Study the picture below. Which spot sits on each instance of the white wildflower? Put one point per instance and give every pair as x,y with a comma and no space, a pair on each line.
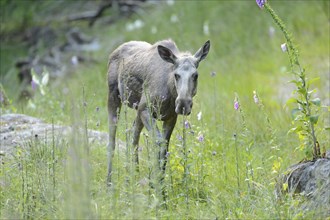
199,116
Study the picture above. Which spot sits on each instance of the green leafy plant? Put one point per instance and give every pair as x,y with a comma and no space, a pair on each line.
305,115
39,85
40,82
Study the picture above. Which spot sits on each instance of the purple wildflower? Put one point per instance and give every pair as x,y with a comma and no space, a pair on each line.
261,3
213,73
283,47
236,105
179,137
200,137
167,154
186,124
34,85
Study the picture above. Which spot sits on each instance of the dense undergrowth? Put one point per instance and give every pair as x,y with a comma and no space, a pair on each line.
223,165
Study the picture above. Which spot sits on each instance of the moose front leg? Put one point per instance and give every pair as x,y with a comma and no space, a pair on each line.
150,123
168,127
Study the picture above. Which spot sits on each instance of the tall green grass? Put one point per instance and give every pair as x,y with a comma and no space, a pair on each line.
223,165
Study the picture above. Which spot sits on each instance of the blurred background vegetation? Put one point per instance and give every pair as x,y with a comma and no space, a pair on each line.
245,54
73,40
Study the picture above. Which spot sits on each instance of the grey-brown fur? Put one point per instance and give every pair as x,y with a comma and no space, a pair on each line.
159,75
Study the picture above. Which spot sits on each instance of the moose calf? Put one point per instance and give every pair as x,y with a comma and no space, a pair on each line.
159,75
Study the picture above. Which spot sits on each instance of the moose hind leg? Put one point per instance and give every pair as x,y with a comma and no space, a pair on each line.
114,105
138,126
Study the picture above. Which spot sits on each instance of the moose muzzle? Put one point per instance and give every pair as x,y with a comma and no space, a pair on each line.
183,106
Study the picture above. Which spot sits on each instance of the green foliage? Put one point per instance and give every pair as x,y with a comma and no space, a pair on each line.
306,116
34,176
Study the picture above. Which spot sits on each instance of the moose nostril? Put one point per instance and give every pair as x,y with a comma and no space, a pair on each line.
189,103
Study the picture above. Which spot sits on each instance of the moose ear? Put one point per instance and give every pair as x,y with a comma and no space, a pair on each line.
202,52
166,54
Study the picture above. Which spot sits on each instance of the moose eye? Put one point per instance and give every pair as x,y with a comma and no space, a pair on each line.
177,76
195,77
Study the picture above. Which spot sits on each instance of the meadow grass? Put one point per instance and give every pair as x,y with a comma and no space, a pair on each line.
223,165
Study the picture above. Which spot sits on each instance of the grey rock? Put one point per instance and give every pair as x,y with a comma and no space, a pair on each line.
18,130
311,181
